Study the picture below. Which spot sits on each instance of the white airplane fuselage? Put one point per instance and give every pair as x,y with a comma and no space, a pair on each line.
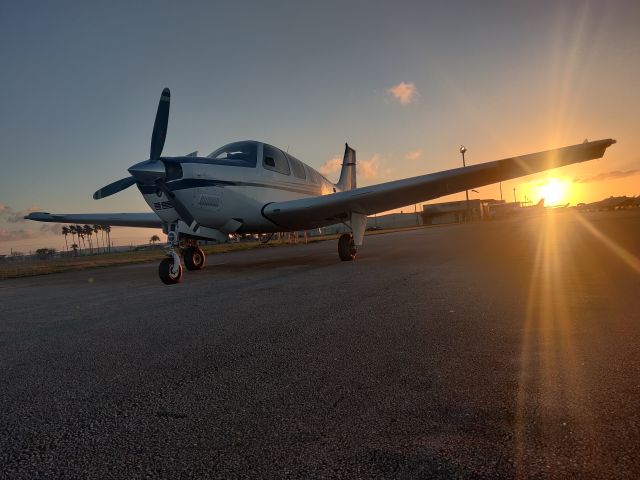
216,193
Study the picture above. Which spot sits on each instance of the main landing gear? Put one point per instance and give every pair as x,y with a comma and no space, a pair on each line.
194,258
347,248
170,268
349,242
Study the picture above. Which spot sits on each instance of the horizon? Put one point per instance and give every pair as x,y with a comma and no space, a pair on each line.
405,86
123,237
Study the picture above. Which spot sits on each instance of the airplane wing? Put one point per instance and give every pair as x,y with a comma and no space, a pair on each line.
324,210
146,219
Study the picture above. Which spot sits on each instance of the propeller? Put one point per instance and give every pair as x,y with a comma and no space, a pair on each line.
114,187
160,125
154,170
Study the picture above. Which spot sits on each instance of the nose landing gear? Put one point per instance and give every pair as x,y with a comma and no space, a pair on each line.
170,268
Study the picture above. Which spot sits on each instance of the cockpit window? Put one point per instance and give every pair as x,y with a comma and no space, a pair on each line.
239,154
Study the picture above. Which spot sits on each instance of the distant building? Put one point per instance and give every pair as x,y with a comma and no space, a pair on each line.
458,211
395,220
611,203
375,222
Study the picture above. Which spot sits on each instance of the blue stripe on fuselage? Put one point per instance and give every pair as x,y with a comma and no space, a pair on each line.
201,182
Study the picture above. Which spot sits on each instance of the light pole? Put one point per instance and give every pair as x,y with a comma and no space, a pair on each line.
463,150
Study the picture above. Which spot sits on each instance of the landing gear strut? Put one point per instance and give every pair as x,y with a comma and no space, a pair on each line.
347,248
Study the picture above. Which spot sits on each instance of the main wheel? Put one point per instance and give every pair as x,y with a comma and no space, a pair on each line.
346,248
164,270
194,258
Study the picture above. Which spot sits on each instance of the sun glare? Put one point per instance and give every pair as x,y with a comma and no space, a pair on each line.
554,191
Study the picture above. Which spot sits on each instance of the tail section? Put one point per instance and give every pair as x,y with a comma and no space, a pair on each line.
348,174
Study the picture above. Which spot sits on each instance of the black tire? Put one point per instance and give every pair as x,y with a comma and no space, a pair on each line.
164,270
194,258
346,248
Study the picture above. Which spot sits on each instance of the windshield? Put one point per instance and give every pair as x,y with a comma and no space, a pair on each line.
240,154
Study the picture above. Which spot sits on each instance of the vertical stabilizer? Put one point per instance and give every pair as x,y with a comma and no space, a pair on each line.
348,174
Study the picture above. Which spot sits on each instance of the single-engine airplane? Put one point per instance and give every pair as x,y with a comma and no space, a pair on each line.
253,187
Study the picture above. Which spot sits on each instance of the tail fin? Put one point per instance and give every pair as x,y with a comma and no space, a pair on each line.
348,174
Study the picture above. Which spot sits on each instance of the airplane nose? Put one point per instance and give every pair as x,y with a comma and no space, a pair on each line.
148,171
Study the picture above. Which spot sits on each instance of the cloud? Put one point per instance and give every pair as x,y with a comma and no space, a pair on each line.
15,216
333,165
26,234
413,155
365,168
606,176
404,92
369,168
13,235
54,228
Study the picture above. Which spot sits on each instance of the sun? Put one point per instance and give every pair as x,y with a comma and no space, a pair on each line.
554,191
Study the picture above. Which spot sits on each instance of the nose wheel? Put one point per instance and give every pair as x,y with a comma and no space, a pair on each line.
170,270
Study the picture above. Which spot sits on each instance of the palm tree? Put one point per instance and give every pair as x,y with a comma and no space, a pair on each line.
72,231
96,229
80,234
88,231
154,239
104,245
65,232
74,247
107,228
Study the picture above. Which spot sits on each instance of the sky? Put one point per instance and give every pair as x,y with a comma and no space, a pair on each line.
405,83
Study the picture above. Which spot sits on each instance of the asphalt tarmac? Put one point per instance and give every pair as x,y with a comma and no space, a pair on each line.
505,349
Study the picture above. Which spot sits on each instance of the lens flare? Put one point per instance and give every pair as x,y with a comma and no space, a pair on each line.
554,191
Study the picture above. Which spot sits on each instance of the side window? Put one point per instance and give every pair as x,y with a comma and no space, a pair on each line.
313,176
274,159
297,167
310,174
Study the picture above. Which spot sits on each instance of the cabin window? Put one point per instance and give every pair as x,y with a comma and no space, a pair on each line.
275,159
314,176
297,167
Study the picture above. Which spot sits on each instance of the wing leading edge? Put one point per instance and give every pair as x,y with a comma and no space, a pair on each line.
323,210
146,219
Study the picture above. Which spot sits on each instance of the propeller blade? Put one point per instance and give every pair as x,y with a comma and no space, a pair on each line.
182,211
160,125
114,187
